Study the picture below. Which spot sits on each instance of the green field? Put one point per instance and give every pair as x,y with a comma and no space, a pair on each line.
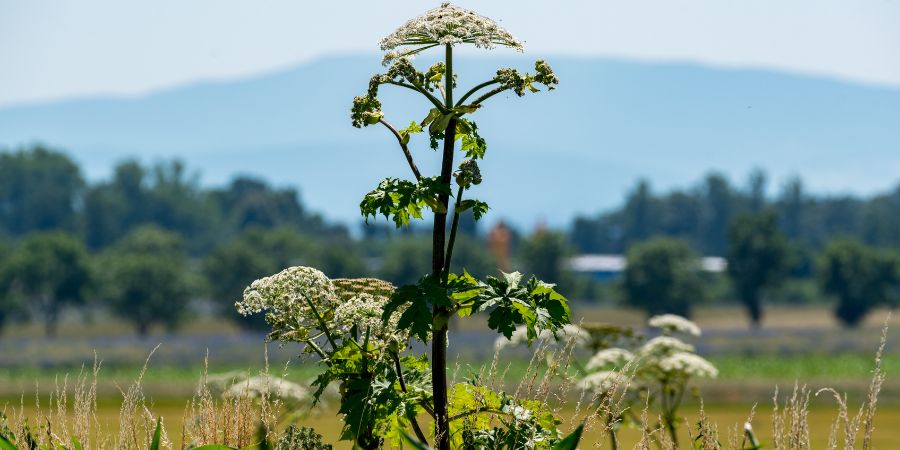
795,345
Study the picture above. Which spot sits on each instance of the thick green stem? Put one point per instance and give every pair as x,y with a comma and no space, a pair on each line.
441,314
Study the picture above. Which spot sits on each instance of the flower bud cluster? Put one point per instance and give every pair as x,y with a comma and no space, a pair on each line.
366,111
468,174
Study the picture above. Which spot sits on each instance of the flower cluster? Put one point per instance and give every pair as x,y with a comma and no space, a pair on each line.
362,314
272,387
687,365
568,333
603,381
662,346
366,111
609,358
671,323
293,300
468,174
511,79
450,25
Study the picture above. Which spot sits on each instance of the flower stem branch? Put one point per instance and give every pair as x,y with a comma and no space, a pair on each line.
478,101
412,418
322,324
474,90
434,100
404,147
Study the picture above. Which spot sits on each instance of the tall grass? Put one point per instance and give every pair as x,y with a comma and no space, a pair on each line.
243,410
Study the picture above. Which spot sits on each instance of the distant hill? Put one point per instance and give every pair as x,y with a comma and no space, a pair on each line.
577,149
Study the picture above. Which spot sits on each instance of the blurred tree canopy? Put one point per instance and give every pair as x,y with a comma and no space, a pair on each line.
757,259
662,276
258,252
231,234
701,215
861,278
48,271
543,255
39,190
146,280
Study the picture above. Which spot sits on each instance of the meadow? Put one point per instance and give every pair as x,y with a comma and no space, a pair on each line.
798,344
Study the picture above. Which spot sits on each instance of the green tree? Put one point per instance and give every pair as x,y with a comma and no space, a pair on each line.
860,277
757,259
260,252
49,271
164,195
662,276
9,305
403,259
543,254
147,279
39,190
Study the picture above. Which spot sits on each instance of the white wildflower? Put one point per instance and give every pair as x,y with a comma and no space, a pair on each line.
609,357
603,381
518,412
688,364
451,25
292,300
663,346
563,336
272,387
365,311
672,323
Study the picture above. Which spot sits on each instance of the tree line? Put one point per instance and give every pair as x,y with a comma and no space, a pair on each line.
149,240
702,214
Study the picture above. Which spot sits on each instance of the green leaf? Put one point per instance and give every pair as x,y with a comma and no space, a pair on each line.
75,444
570,442
466,109
5,444
403,200
214,447
154,444
406,132
413,442
440,124
433,115
535,305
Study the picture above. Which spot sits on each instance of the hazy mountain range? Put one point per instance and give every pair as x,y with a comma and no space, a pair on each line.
577,149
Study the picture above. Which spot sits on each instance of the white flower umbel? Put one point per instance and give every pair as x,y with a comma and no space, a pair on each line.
451,25
272,387
603,381
687,364
609,358
672,323
568,333
293,299
365,311
661,346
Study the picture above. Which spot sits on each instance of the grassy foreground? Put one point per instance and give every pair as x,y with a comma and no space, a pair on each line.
821,415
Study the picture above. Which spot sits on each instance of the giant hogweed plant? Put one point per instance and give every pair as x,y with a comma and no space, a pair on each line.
362,330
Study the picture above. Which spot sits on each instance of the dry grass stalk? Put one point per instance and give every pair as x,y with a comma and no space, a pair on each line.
136,421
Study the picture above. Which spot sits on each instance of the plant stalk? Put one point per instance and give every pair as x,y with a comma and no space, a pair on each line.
441,314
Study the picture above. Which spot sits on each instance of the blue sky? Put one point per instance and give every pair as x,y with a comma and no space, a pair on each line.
61,49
